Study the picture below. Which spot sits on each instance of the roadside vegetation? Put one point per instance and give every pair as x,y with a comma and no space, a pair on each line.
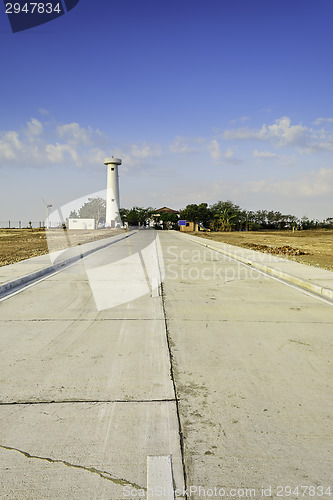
225,216
222,216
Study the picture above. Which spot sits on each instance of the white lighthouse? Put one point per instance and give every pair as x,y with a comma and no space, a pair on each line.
112,218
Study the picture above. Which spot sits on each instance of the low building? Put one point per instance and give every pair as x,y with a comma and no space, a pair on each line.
81,223
157,221
188,226
166,210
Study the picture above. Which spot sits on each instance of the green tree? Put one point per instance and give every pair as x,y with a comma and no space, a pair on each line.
222,221
197,213
169,220
226,215
73,215
123,214
138,215
94,208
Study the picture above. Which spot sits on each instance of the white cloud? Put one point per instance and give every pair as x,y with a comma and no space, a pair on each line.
34,129
57,153
145,151
138,157
285,133
282,133
241,134
95,156
320,121
218,156
263,154
181,145
10,145
241,119
310,185
229,153
28,147
214,149
74,134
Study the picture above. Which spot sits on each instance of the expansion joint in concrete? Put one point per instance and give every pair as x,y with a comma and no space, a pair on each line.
172,376
87,401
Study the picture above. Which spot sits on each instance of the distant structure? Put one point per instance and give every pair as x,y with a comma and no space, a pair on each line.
186,226
81,223
156,217
112,218
166,210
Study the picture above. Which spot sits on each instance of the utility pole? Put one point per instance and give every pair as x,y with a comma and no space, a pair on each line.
48,206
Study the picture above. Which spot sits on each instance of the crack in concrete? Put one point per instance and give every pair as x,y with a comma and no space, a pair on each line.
86,401
103,474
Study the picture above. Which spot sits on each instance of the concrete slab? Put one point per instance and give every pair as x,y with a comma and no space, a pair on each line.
255,402
100,361
69,295
253,374
226,290
84,451
61,349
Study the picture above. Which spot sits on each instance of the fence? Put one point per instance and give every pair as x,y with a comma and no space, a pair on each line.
22,224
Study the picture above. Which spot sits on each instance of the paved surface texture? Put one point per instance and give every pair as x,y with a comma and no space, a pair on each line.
87,385
253,368
86,392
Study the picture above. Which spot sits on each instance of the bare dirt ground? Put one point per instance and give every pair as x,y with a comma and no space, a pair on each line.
313,247
20,244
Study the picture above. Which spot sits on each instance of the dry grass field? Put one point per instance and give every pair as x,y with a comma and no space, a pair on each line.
20,244
313,247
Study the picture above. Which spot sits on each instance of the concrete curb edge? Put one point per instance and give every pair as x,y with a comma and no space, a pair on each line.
29,278
289,278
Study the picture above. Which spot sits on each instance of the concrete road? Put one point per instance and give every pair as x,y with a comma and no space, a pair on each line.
253,366
87,385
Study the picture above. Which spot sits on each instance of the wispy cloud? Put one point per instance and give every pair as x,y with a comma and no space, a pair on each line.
308,185
228,154
34,129
241,119
320,121
145,151
74,134
263,154
181,145
214,149
219,156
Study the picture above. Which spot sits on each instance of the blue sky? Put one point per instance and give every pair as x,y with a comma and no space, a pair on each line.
203,100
